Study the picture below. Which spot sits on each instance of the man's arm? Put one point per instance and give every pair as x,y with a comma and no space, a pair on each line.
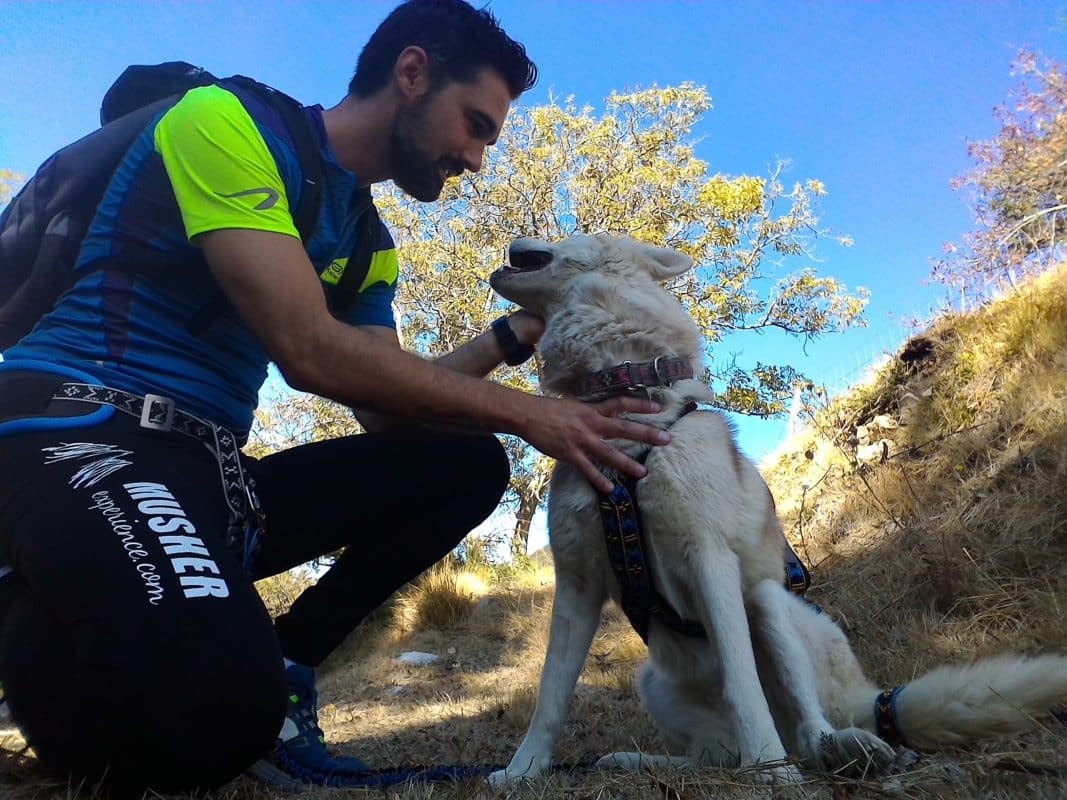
477,358
483,354
271,283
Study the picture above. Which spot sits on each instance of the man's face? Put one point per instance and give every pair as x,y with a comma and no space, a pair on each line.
446,131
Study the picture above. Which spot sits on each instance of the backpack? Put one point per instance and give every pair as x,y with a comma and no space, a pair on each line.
42,228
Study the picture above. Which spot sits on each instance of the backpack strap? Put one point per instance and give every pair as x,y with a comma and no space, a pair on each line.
306,214
305,142
368,237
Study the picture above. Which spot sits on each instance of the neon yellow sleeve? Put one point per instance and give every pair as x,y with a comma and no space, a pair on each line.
222,172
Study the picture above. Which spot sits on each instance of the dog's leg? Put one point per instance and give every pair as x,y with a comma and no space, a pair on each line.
781,642
575,616
722,611
678,709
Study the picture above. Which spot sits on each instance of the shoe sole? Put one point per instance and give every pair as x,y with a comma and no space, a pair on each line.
266,772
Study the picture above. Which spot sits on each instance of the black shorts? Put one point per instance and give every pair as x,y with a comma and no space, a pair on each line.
132,640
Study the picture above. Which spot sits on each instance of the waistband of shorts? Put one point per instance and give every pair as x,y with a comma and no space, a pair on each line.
27,398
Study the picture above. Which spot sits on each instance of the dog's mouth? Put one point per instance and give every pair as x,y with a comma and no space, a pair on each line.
526,261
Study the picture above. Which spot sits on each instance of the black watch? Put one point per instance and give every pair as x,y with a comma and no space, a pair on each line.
515,352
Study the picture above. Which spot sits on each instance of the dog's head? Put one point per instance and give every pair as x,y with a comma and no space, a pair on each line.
603,305
539,274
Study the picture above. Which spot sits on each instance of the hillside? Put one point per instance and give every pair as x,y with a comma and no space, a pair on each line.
931,499
931,503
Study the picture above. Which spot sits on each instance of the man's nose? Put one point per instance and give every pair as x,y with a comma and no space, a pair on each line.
472,158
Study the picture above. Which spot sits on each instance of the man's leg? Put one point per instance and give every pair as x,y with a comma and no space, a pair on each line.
397,502
131,642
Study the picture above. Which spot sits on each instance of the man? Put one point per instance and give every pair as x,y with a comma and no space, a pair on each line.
132,642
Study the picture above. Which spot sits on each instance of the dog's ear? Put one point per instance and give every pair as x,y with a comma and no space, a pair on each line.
664,263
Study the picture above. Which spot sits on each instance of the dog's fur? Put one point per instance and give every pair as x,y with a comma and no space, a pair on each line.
775,681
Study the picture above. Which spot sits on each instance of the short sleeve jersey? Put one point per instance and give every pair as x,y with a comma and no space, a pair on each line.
217,159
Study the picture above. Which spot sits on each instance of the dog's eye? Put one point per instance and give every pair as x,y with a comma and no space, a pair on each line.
529,259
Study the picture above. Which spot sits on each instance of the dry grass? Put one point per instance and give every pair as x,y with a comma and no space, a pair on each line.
952,547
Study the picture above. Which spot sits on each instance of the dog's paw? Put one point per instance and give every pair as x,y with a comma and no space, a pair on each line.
777,774
904,761
512,774
782,774
849,751
635,762
631,762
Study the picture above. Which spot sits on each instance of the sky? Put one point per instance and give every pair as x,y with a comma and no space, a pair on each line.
878,100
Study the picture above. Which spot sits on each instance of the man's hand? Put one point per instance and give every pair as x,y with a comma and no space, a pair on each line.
575,432
527,327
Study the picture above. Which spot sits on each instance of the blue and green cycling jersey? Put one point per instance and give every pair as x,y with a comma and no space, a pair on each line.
217,159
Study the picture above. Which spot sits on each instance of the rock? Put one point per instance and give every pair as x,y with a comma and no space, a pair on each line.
876,451
413,658
863,435
885,422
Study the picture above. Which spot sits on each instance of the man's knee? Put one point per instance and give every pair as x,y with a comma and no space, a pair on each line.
170,719
205,736
490,460
481,475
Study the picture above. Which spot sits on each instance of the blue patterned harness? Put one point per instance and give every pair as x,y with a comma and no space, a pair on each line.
624,534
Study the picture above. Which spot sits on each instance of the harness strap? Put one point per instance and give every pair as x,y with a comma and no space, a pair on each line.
885,717
797,576
620,516
624,534
159,413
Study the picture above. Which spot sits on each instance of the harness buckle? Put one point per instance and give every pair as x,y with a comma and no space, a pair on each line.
157,413
635,385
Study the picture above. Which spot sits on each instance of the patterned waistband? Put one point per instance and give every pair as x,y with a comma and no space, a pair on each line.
158,413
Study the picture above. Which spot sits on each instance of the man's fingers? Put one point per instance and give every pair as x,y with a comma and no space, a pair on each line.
628,405
595,476
620,462
634,431
578,434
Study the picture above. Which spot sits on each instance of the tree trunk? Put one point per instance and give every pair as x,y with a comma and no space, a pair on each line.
529,501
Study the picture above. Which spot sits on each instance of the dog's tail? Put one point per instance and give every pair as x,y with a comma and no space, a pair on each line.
994,697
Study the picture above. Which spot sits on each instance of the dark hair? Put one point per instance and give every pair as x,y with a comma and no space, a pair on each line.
460,41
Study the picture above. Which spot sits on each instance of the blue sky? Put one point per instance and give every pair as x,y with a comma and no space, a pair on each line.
876,99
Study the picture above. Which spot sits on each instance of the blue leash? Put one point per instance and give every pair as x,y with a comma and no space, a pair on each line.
289,774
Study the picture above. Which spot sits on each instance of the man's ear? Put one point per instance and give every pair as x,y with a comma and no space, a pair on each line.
413,72
663,263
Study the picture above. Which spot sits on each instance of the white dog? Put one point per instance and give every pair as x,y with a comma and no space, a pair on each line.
773,680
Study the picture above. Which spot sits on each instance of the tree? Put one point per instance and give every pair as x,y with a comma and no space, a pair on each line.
9,183
1018,187
558,169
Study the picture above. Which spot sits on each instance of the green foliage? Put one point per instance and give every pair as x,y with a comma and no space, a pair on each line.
1018,187
298,419
9,184
558,169
279,591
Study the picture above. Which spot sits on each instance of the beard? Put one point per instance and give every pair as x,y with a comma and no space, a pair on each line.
415,171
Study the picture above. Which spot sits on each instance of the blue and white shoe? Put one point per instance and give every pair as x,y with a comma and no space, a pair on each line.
299,755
